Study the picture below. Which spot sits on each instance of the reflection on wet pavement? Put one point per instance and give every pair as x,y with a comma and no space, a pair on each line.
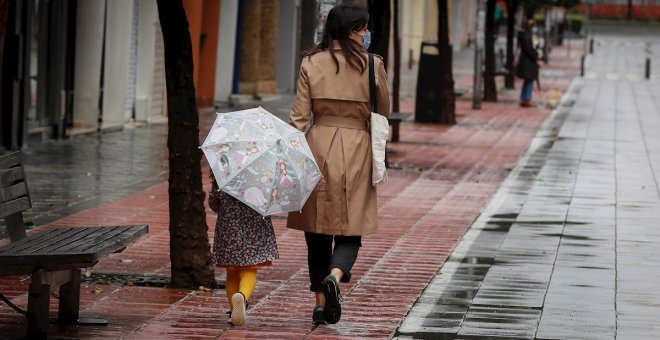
72,175
568,247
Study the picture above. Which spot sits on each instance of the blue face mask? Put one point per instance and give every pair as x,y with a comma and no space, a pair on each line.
366,40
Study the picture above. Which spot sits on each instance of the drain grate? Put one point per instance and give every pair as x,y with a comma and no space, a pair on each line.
134,280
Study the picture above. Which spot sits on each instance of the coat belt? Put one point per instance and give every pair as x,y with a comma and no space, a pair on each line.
341,122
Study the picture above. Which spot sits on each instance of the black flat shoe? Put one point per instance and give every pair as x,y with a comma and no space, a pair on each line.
317,315
332,308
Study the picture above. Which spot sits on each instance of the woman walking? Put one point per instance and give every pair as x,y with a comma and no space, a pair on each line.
528,67
333,102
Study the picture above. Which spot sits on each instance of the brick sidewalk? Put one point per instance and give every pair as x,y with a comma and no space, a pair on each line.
567,248
444,176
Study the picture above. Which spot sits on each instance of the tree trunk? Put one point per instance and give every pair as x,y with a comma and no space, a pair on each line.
6,76
511,10
396,81
189,244
446,78
490,87
4,11
379,25
629,14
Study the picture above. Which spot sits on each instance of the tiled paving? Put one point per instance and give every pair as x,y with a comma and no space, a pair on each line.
565,249
443,177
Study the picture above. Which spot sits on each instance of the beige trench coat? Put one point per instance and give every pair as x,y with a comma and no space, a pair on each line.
338,107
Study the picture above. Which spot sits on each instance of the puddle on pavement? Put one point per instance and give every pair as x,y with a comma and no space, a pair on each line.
498,226
528,222
478,260
427,335
569,237
134,280
511,216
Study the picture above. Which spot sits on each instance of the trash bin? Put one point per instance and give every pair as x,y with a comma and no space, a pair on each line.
427,108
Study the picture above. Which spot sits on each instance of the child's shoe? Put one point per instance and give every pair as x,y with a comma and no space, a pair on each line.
239,304
317,315
332,308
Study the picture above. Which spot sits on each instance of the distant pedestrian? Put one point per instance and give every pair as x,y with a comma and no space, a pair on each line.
497,20
333,102
244,241
528,66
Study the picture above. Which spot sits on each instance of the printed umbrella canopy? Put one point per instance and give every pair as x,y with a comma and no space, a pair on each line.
261,160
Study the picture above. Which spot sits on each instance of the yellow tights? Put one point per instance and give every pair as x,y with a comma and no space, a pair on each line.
240,279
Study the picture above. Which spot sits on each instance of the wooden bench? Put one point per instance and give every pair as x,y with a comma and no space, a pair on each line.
395,119
52,257
500,64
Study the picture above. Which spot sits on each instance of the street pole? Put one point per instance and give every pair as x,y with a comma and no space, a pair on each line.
586,27
478,52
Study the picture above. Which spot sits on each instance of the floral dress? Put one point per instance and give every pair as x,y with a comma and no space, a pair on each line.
242,236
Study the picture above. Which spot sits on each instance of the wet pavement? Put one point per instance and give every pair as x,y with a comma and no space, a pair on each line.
70,176
441,180
567,247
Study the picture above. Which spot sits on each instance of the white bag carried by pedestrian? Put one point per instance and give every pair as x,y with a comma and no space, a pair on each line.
380,130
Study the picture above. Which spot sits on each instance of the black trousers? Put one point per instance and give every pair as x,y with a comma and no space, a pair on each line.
321,257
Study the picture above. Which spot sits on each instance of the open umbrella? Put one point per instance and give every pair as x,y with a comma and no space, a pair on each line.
261,160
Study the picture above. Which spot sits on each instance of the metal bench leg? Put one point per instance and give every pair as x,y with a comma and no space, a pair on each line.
395,132
69,307
38,305
69,302
15,226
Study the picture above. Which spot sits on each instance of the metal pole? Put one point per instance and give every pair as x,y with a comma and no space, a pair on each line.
586,26
582,66
647,73
546,36
566,32
478,51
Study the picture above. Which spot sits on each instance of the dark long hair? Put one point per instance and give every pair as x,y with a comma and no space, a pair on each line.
341,21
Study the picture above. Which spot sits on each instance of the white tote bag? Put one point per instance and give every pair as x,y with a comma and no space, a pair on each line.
380,130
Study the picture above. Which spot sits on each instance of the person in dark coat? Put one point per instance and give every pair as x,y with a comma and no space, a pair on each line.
527,67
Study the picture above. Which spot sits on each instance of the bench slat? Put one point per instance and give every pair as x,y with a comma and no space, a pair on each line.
95,249
36,240
13,192
71,235
10,160
82,244
9,176
15,206
41,237
130,235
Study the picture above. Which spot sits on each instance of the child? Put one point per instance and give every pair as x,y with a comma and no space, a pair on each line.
244,241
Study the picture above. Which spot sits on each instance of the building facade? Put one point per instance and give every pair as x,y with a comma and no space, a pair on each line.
89,66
